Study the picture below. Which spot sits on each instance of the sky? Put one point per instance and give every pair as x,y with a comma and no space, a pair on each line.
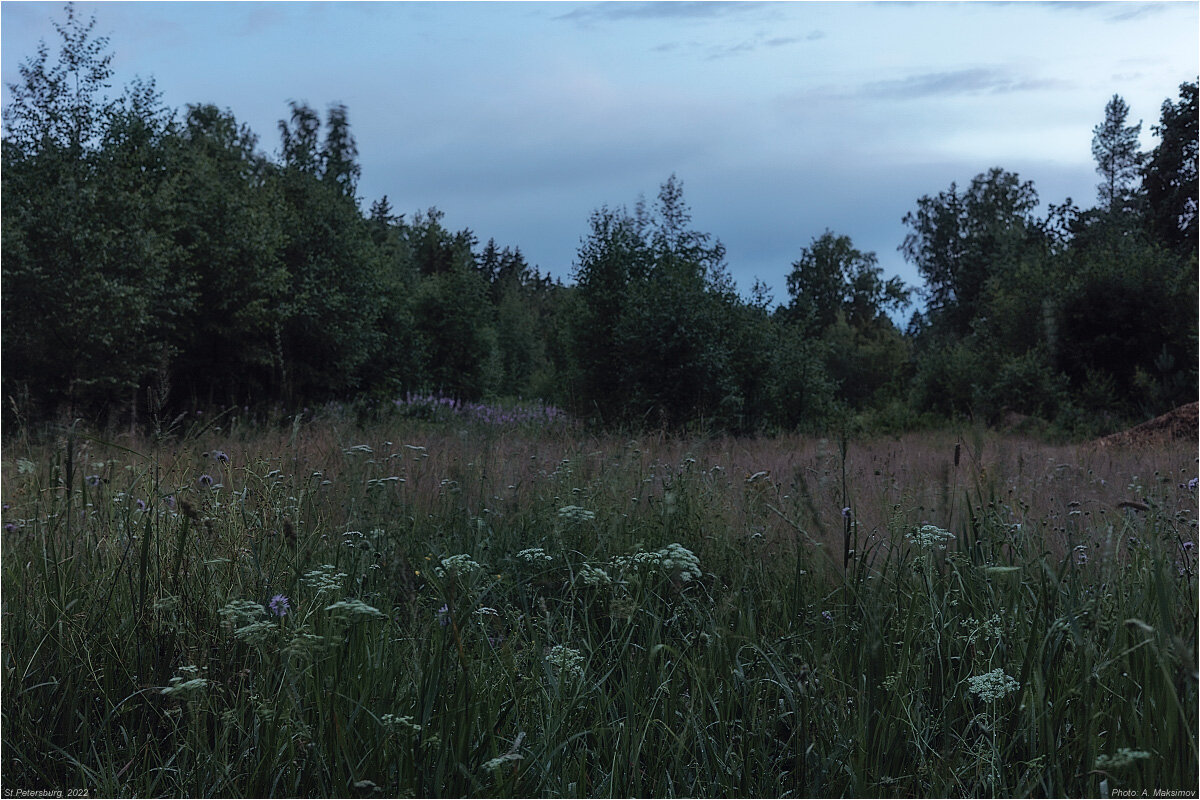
781,119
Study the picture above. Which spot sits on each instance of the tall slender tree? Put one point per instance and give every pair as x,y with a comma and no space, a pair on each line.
1118,157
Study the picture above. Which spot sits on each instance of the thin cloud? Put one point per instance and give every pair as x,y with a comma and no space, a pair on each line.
684,9
957,82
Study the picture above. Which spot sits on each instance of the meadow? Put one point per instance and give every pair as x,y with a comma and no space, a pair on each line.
514,606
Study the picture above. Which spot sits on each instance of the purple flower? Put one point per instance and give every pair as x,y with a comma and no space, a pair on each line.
9,527
221,455
1193,483
444,615
846,512
141,504
280,605
170,501
827,616
93,480
206,480
1188,545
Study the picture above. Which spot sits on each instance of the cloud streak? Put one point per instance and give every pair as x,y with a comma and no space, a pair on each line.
684,9
958,82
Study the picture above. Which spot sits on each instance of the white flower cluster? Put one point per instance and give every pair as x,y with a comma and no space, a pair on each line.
593,576
1121,759
976,631
461,564
674,560
992,686
929,537
567,661
190,684
535,554
494,764
576,514
257,633
393,724
679,562
238,613
324,578
355,610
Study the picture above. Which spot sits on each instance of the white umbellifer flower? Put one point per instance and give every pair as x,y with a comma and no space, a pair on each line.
461,564
190,684
992,686
496,763
576,514
535,554
593,576
680,562
394,724
355,609
674,560
257,632
324,578
1122,758
567,661
238,613
929,537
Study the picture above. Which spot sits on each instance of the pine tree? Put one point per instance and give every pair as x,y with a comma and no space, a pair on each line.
1118,159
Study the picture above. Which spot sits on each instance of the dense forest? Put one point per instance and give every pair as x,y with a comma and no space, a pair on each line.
158,260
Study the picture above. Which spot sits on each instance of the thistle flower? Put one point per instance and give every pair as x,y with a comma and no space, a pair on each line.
205,480
280,605
992,686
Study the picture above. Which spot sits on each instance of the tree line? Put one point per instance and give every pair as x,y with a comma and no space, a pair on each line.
156,260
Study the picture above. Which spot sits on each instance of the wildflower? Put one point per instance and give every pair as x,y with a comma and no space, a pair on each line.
534,554
566,661
205,480
928,537
219,455
444,615
190,684
846,512
393,724
141,504
679,562
992,686
461,564
593,576
576,514
280,605
1124,757
93,480
827,616
256,633
10,528
1193,483
494,764
355,610
324,578
237,613
1081,554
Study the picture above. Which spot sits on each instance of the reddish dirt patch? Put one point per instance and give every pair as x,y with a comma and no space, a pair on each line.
1181,423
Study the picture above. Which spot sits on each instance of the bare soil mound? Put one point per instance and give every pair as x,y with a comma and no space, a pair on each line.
1181,423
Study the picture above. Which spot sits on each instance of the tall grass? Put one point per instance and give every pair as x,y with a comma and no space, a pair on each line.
410,609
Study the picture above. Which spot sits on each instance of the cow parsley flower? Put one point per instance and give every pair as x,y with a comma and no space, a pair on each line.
992,686
929,537
593,576
1124,757
576,514
239,613
324,578
534,554
354,609
461,564
187,686
567,662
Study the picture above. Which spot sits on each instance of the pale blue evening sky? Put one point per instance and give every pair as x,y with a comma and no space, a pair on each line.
781,119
